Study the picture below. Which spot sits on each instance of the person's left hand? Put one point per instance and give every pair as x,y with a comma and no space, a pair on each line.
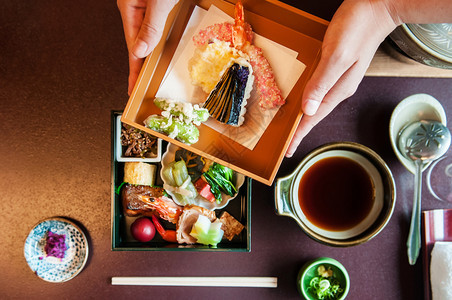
354,34
143,22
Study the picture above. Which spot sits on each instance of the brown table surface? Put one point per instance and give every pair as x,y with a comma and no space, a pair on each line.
63,69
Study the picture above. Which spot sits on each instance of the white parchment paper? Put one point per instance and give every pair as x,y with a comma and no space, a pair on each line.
176,84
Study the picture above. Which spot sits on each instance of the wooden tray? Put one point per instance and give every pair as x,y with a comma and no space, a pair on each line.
389,62
277,21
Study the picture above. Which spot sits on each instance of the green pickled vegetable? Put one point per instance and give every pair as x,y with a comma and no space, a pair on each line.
207,233
174,128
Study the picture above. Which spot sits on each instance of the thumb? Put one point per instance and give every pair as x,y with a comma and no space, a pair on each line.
152,27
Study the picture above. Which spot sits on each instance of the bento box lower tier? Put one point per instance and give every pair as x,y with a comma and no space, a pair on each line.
122,239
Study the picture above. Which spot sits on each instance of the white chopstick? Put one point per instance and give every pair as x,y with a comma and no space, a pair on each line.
265,282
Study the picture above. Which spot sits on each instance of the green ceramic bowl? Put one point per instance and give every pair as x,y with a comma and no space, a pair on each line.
309,271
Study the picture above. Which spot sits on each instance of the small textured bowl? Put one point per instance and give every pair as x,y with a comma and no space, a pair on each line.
429,44
309,271
239,180
411,109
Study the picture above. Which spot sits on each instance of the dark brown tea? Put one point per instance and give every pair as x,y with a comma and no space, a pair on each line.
336,193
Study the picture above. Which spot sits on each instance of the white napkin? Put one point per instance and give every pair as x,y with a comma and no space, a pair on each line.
441,271
176,84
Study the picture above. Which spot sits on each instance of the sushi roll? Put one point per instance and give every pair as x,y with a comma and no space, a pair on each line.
226,102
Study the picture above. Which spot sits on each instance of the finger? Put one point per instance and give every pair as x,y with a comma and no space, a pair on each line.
329,70
306,124
152,27
132,15
344,88
135,65
344,42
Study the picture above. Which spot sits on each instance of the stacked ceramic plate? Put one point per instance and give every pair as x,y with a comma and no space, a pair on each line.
430,44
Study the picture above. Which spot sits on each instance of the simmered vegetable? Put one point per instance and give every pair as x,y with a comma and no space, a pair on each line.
214,188
204,189
179,182
194,162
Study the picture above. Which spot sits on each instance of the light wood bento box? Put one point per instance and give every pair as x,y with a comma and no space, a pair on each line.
274,20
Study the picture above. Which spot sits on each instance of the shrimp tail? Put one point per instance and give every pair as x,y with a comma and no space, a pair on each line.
167,235
238,30
237,34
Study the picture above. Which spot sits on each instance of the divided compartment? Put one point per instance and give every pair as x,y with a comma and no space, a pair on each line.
239,208
274,20
120,149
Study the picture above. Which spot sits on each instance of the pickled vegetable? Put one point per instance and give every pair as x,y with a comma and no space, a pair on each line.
207,233
55,245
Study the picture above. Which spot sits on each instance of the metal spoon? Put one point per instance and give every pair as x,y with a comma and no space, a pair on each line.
422,142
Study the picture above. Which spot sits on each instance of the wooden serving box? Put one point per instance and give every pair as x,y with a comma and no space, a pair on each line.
274,20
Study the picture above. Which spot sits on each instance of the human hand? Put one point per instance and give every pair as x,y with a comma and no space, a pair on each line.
143,22
351,40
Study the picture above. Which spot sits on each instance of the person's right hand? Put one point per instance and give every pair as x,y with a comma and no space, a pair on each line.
143,22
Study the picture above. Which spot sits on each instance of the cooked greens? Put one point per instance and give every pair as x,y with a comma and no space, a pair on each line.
220,179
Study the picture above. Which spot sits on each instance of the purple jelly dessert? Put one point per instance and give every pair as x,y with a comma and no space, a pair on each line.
55,245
